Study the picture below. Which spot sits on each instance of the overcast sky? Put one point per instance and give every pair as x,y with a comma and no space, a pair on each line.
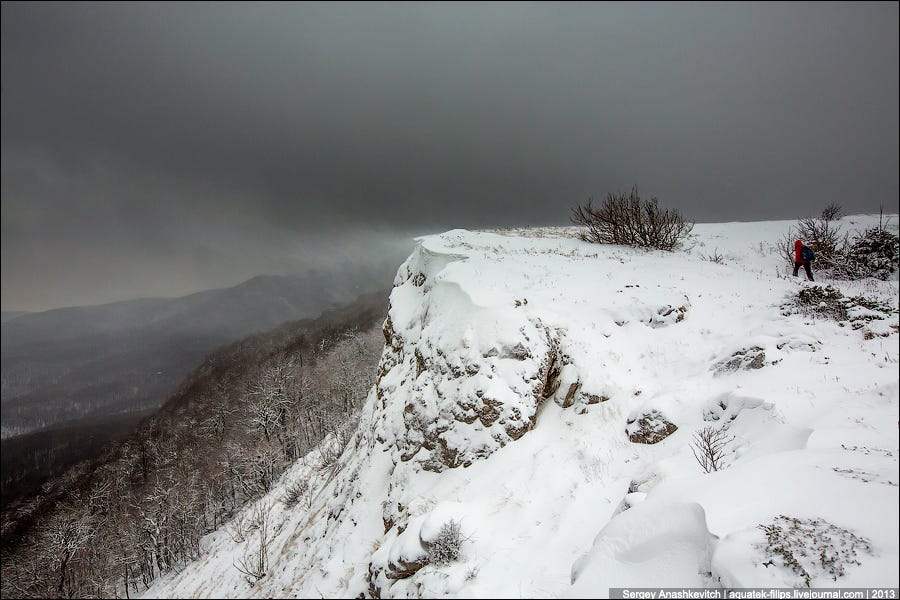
159,149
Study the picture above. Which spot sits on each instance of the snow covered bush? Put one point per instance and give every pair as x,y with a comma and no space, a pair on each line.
629,220
444,549
825,301
829,302
811,547
876,251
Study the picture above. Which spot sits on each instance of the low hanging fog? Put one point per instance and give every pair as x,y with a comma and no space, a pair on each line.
157,150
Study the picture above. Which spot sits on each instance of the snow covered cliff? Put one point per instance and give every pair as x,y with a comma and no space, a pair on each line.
532,432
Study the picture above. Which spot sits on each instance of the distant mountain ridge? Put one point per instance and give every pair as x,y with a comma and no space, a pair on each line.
8,315
68,363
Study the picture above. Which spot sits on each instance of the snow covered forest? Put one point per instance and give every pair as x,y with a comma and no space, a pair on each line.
548,418
109,526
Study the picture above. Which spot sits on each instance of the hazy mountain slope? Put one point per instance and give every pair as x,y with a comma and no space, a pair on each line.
72,362
522,379
8,315
147,499
29,460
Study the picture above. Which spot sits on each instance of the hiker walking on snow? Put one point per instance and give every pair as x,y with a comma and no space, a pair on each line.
802,257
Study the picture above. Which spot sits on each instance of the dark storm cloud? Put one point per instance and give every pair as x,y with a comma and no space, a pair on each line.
192,145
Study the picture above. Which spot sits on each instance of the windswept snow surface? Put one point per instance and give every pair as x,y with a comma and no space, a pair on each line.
552,497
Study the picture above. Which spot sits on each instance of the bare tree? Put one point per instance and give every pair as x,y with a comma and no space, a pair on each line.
216,423
67,536
271,400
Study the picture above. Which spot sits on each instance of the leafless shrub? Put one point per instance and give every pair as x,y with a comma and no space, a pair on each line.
258,518
332,447
830,243
832,212
824,236
237,528
715,257
245,523
629,220
295,492
709,446
785,246
255,561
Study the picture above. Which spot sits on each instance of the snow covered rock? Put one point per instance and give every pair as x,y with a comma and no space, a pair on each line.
649,428
462,379
746,358
728,406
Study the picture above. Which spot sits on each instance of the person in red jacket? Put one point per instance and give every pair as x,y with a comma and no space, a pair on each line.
798,260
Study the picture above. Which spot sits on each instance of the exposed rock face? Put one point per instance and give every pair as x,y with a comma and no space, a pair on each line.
464,380
403,569
649,428
397,569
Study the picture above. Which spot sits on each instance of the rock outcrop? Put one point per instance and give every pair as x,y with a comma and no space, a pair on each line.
463,379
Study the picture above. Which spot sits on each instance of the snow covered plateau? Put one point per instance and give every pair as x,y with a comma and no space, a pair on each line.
533,429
